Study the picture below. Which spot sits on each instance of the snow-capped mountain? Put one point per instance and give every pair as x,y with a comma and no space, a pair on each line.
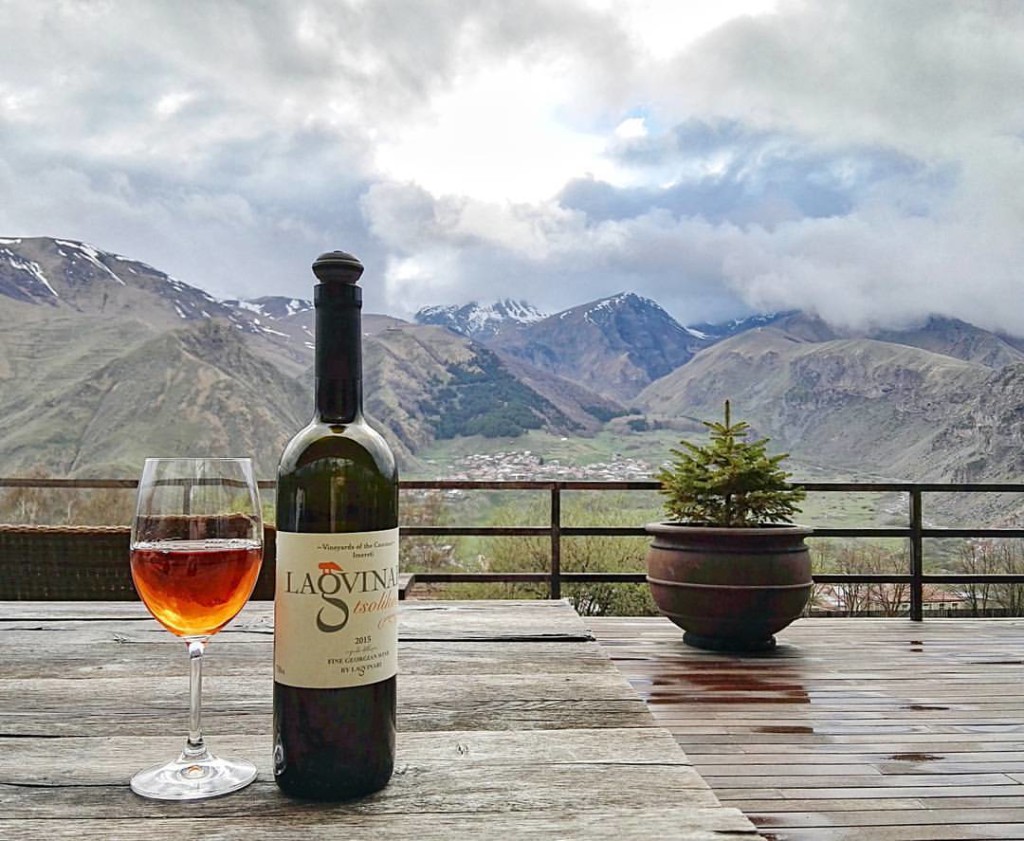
615,346
606,310
274,306
715,332
72,275
481,321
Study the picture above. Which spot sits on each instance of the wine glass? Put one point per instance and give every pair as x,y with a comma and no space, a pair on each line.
196,550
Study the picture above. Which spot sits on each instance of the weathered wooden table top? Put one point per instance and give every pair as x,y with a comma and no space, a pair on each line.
512,724
853,729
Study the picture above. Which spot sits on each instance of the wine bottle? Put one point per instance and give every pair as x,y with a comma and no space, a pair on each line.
336,596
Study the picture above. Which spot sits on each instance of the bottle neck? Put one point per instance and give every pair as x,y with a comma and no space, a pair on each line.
339,354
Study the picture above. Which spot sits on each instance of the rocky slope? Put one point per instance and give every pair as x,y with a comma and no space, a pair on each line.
615,346
854,403
196,390
104,360
426,382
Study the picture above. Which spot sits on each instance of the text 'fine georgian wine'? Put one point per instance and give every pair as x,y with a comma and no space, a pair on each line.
336,587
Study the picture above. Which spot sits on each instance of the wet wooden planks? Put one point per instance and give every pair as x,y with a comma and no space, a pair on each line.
512,720
877,729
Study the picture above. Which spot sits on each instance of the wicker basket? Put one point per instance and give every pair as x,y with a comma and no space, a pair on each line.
84,563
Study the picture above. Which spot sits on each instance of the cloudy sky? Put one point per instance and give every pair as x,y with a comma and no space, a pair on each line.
861,159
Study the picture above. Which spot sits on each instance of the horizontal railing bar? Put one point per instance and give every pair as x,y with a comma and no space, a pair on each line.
933,533
881,531
526,578
69,483
522,531
569,485
476,531
474,485
640,577
92,484
639,531
482,577
647,485
526,485
907,487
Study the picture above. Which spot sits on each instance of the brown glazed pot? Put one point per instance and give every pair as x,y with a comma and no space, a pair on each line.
729,589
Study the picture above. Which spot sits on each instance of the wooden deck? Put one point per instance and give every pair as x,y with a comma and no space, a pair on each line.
875,729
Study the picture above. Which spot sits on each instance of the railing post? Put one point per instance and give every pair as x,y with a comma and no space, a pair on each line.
555,590
916,557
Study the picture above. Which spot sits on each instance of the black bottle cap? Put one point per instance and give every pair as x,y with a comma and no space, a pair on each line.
337,267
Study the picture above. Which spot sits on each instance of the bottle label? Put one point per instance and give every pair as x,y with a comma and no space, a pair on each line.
336,609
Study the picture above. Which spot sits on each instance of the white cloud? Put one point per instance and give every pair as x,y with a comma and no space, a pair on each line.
666,27
171,103
633,128
860,158
496,135
924,76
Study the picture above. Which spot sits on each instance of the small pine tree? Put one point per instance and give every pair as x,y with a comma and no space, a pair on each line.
731,482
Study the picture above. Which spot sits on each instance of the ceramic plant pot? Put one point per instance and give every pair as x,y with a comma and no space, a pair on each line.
729,589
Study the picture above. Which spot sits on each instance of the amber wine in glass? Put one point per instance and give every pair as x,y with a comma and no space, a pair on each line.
196,550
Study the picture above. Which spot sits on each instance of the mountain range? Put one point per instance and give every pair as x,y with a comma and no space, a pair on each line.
104,360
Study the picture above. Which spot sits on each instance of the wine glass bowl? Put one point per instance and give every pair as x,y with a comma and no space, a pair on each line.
196,551
195,587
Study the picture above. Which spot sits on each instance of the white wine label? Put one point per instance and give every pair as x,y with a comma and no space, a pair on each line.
336,609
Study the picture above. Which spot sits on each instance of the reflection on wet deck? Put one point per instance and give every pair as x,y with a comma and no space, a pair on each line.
873,729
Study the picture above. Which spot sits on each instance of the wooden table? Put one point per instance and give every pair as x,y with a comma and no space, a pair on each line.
853,728
512,724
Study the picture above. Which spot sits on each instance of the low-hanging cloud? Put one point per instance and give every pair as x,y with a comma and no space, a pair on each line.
859,159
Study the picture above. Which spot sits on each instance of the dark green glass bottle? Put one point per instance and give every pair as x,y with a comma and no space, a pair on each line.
336,598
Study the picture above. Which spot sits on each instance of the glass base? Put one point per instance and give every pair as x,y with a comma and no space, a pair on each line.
193,778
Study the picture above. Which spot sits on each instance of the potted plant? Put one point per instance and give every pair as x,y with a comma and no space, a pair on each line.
730,568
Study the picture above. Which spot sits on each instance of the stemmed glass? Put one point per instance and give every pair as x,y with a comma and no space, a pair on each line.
196,550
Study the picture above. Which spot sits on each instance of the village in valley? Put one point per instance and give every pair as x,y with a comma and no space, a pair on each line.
529,466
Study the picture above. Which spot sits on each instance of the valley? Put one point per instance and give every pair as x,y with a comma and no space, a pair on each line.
104,360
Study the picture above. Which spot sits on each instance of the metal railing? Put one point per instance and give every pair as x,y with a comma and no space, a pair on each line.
915,532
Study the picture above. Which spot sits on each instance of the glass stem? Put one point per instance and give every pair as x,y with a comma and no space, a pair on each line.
194,746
